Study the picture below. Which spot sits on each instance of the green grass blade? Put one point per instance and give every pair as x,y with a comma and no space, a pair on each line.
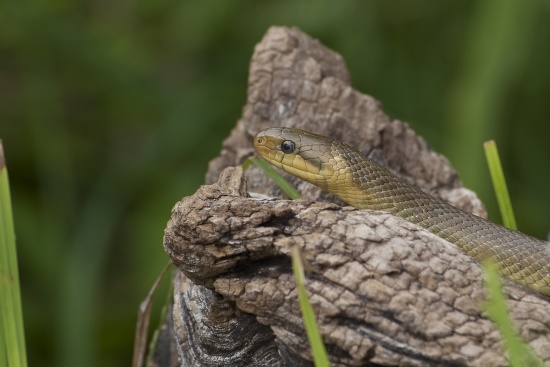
318,349
519,354
11,315
247,163
499,183
283,184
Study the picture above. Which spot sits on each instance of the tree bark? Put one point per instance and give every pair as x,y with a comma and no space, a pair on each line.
385,292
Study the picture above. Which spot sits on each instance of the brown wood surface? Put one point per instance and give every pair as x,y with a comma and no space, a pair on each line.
385,292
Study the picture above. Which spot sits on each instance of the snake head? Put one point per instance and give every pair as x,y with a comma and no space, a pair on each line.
298,152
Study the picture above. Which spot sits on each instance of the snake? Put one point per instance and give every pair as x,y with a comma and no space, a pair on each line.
364,184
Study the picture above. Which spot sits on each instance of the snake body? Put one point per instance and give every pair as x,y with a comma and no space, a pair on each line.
364,184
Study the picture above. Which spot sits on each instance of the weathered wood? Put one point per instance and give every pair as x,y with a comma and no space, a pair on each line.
385,291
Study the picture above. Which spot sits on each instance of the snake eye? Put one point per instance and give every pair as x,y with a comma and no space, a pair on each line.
288,146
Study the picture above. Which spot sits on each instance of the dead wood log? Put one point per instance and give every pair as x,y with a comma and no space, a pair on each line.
385,292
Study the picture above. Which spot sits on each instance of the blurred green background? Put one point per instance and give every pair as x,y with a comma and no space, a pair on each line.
110,112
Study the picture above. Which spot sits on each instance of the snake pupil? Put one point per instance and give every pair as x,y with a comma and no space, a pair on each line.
287,146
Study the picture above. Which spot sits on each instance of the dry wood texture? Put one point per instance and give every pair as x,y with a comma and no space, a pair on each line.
385,292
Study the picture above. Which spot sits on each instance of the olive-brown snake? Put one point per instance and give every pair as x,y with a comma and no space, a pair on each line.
364,184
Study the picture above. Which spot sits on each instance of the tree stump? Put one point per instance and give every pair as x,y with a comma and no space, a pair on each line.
385,292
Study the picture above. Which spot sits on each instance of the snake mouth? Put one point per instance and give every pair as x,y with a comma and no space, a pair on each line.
266,148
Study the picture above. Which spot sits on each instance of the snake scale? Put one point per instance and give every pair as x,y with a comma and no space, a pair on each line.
364,184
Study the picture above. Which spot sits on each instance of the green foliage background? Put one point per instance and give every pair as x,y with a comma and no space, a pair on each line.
110,112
